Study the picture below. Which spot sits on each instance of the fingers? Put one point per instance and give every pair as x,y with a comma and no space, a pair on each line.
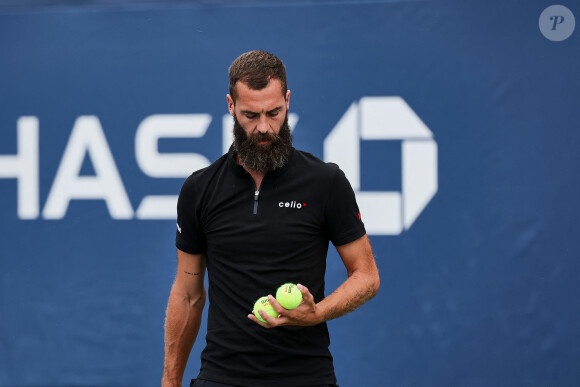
306,296
255,319
304,314
269,321
276,305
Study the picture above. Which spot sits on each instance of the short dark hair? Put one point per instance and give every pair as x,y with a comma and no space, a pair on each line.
255,69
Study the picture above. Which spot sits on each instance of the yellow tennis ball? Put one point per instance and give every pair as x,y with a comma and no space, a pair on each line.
289,296
264,304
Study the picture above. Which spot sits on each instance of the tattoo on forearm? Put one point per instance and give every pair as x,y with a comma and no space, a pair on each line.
186,272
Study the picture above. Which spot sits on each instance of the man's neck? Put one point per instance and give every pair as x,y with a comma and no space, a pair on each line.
257,176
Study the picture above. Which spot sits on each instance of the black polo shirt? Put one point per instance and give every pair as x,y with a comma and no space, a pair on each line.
255,241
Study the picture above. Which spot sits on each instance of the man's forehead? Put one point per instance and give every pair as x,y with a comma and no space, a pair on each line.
268,98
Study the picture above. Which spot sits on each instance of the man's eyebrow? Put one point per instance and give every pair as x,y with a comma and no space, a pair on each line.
275,110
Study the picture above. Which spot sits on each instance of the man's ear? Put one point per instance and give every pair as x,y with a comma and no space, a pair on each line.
230,104
287,99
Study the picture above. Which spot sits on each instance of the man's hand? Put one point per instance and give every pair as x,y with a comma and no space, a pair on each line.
361,285
306,314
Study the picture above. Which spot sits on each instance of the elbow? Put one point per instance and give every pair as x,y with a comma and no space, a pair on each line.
189,299
197,301
374,285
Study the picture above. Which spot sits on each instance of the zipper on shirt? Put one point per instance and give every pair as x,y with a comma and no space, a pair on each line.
256,195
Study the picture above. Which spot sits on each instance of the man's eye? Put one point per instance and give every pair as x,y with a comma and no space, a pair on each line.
273,114
251,116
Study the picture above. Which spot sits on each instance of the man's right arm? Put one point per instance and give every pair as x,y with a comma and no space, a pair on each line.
184,310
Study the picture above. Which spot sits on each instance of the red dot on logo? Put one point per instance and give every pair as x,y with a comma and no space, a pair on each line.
304,204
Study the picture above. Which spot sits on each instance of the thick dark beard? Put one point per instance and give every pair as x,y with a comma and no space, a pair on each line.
262,158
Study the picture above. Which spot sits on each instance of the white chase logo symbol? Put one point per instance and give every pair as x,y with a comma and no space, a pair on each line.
386,118
292,204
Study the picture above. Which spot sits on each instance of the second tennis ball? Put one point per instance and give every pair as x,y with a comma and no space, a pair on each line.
264,304
289,296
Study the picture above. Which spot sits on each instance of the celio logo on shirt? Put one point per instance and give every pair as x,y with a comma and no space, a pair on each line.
292,204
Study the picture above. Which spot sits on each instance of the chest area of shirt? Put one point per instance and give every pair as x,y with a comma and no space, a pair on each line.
277,206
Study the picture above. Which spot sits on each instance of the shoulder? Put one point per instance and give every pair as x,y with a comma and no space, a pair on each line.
202,177
310,162
311,170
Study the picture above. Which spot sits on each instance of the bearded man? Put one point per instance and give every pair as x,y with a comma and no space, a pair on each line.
263,215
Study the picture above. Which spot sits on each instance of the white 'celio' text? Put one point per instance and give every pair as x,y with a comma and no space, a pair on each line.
291,204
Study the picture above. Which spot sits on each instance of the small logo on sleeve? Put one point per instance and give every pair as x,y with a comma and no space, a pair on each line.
178,228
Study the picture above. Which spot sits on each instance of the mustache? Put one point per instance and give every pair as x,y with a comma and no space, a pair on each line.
259,137
243,139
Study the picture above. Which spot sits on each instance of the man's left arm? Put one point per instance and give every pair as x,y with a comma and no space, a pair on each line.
361,285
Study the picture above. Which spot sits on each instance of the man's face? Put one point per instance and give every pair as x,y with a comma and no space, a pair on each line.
262,138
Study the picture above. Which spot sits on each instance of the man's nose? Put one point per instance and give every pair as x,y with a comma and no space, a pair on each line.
263,125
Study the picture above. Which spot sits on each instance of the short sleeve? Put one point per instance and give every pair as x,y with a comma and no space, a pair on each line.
189,236
343,220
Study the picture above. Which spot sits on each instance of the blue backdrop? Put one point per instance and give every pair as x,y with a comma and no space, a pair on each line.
479,287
